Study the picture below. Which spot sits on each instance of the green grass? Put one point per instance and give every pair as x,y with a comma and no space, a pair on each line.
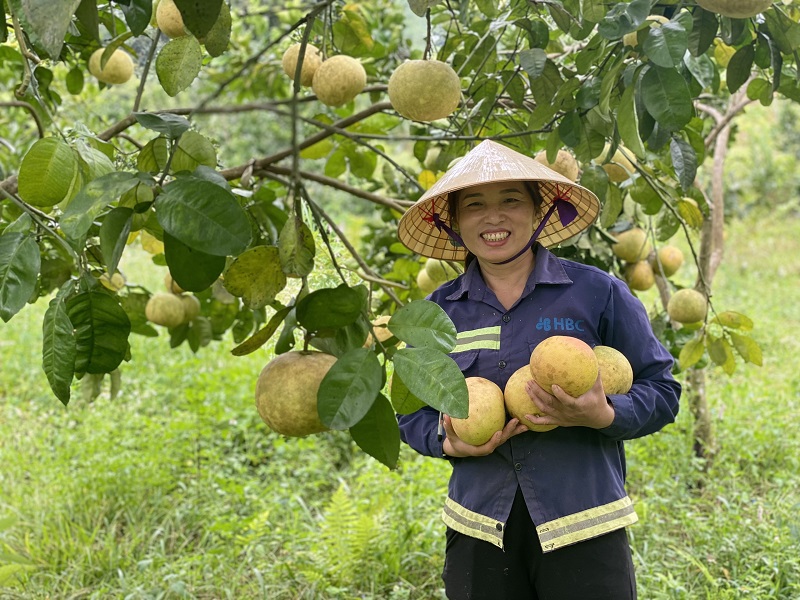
177,490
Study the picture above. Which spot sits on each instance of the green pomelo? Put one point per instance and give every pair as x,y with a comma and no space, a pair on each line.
564,361
519,403
670,260
736,9
286,392
616,372
339,80
424,90
440,270
639,275
632,245
487,412
165,309
565,164
687,306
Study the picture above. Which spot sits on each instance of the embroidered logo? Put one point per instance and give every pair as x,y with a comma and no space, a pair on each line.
559,324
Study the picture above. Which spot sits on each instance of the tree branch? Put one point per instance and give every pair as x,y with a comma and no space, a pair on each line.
29,107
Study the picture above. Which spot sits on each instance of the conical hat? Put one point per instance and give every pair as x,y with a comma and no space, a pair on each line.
490,162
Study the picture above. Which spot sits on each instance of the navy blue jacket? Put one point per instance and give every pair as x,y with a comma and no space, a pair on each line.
572,478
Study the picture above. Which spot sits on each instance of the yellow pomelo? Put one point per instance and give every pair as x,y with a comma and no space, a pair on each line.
164,309
286,392
667,260
687,306
191,307
632,39
114,283
338,80
425,283
565,164
382,332
312,59
440,270
639,275
619,168
616,372
170,284
487,412
118,68
424,90
564,361
169,19
736,9
518,403
632,245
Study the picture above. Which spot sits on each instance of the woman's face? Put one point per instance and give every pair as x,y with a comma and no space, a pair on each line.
496,220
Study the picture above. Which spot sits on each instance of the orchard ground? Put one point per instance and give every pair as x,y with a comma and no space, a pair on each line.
176,489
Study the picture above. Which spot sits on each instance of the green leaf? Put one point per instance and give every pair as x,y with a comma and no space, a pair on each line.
329,308
59,349
645,195
420,7
349,389
690,213
721,353
595,178
704,30
137,15
403,401
193,150
172,126
20,262
178,64
733,320
623,18
296,248
424,324
47,173
684,161
612,207
114,236
628,121
218,38
747,348
784,31
45,22
761,90
92,200
199,334
665,46
378,434
199,17
434,378
191,269
256,276
533,61
204,216
101,331
260,337
691,352
666,97
740,67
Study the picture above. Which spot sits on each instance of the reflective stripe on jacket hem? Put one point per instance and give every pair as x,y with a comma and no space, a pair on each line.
472,524
586,524
554,534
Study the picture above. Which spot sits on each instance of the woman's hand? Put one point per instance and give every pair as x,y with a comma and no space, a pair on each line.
456,447
591,409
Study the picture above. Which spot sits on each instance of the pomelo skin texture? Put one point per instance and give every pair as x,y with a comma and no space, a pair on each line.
338,80
440,270
424,90
118,69
565,164
736,9
632,245
519,403
564,361
487,412
616,372
286,392
669,259
312,59
165,309
687,306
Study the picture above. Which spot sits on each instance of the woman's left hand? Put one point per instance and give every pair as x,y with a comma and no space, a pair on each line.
591,409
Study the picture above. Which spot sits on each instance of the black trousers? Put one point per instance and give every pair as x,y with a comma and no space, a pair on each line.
597,569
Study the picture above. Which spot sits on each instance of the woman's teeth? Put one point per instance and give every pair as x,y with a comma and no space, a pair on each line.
495,237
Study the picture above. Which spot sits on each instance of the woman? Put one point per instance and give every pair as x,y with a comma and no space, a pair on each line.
534,514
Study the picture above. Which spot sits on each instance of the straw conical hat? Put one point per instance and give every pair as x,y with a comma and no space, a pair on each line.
486,163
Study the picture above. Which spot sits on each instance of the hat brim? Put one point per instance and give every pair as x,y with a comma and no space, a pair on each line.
491,162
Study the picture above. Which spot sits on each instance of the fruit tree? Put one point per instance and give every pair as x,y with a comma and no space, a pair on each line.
241,142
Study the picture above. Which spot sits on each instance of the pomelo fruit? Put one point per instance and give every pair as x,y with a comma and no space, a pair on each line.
424,90
440,270
564,361
286,392
118,68
169,19
312,59
632,245
632,38
618,168
565,164
669,258
382,332
518,403
164,309
171,285
687,306
616,372
736,9
639,275
425,283
338,80
191,307
487,412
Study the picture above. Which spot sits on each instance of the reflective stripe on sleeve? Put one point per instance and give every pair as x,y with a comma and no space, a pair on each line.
472,524
487,338
586,524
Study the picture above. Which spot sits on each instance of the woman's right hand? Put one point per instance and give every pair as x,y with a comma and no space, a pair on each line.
455,447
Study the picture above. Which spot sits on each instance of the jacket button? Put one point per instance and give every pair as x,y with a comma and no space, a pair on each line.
518,466
506,318
499,527
502,364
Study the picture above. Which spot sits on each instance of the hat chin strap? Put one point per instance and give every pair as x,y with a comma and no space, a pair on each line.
566,213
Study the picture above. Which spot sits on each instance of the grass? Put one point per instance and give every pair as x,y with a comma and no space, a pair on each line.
177,490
